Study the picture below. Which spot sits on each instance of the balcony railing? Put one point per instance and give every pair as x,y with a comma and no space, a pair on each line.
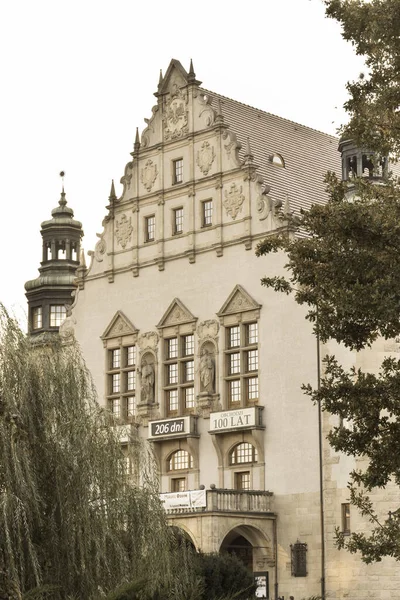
229,501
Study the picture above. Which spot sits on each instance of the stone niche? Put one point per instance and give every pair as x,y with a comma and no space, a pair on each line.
207,399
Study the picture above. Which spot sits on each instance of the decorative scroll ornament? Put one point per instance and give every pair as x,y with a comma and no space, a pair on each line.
205,157
233,200
123,230
148,340
208,329
149,174
176,121
100,248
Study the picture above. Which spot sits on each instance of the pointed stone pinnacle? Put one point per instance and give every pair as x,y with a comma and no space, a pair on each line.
112,192
160,80
248,153
219,116
191,70
136,145
82,259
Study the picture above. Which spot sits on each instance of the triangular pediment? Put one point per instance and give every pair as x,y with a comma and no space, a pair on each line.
176,76
176,314
119,325
238,301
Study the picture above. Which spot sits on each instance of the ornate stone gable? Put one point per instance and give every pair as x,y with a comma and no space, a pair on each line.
205,157
149,174
119,325
176,115
123,230
238,301
233,200
176,314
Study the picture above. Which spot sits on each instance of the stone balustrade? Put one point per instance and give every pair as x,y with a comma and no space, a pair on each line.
230,501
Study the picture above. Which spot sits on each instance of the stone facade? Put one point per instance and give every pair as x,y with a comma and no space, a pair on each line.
182,340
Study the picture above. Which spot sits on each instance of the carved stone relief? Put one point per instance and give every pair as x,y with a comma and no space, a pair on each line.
123,230
239,303
177,315
206,111
233,200
264,206
205,157
126,180
145,140
100,248
148,340
120,327
208,329
149,174
176,119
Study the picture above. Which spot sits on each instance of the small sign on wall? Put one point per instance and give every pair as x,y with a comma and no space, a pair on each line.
234,419
261,579
171,427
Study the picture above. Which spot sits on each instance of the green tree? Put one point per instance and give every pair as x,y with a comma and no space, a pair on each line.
225,576
71,526
346,270
373,27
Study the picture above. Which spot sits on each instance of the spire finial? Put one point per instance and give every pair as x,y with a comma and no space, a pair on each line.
160,79
112,191
136,145
62,201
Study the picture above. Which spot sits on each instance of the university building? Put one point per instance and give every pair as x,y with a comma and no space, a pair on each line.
184,342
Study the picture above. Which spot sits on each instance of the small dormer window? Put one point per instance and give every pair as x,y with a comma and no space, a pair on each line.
277,159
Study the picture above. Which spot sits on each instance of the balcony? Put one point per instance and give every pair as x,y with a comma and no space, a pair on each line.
218,501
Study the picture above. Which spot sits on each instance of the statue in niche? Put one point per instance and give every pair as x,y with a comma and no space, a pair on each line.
147,382
207,371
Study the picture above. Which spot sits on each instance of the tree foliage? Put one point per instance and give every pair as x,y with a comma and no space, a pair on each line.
374,105
345,268
69,523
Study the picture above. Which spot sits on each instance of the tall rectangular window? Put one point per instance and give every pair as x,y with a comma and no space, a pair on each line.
177,175
57,314
178,221
346,518
241,364
150,228
207,209
121,377
37,317
179,374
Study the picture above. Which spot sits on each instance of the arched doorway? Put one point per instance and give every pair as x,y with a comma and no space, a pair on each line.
237,544
182,537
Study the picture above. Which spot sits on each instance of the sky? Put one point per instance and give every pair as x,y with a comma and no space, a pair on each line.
78,77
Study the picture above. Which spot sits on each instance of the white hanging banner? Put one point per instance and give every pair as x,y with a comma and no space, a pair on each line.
190,499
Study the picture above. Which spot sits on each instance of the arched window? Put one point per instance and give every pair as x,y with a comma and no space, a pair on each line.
277,159
243,453
181,459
